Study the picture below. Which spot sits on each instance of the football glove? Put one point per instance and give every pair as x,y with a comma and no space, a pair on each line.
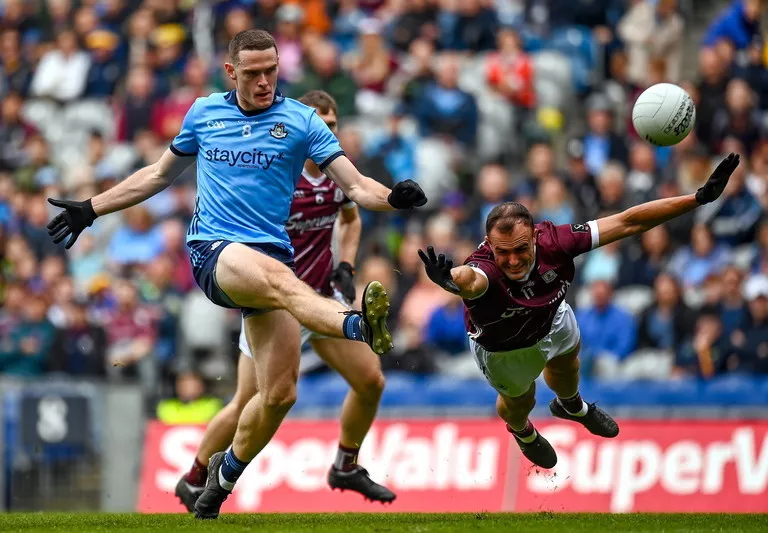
715,185
342,279
406,195
439,269
72,221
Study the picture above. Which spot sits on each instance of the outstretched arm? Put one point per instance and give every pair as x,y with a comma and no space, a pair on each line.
470,282
142,184
462,280
643,217
369,193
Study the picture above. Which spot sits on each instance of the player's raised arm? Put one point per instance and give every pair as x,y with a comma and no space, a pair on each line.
142,184
371,194
643,217
462,280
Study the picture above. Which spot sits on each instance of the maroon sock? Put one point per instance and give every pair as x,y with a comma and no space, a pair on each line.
346,458
197,474
573,405
524,433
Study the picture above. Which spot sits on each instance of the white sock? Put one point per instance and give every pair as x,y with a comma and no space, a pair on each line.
229,485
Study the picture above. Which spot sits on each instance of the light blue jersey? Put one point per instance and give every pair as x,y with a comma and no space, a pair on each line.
248,164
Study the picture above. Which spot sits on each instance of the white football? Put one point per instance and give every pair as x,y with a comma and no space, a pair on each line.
664,114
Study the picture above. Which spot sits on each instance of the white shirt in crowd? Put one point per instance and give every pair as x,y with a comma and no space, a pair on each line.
62,77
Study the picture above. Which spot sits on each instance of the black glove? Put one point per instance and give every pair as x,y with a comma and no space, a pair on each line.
73,220
715,185
439,270
342,280
407,194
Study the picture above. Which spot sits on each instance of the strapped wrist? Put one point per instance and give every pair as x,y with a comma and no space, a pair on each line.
344,265
89,208
390,202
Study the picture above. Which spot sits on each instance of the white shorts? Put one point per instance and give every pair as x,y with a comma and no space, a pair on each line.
512,373
306,334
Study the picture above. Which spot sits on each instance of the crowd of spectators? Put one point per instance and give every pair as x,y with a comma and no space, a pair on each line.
480,101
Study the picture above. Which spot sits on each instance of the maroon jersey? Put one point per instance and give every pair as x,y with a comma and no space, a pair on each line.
518,314
316,203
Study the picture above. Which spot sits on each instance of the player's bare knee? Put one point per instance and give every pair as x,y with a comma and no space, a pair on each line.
279,400
371,388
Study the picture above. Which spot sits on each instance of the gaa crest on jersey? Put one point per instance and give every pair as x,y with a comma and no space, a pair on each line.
580,228
338,195
279,131
549,276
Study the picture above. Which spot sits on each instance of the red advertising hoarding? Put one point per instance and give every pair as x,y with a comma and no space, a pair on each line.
465,465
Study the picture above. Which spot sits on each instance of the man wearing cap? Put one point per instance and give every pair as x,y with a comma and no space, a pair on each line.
749,348
601,144
290,21
105,68
581,183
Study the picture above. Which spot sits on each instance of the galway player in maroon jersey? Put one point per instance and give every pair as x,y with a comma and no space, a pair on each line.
317,202
519,324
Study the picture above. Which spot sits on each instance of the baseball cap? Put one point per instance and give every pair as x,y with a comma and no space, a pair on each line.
290,13
102,39
574,148
755,287
168,35
599,102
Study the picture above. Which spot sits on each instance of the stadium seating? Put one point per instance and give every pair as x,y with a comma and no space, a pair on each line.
446,392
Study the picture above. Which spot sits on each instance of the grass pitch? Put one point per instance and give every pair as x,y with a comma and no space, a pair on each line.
388,523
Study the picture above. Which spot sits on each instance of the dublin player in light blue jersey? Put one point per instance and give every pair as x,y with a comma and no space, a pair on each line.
250,145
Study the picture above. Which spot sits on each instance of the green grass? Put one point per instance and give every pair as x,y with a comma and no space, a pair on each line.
389,523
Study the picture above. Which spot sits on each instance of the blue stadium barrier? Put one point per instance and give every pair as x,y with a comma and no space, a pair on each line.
734,391
448,391
405,390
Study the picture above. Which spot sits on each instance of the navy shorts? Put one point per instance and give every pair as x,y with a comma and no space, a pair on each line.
204,256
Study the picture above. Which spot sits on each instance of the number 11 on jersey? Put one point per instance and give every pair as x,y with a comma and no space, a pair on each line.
527,292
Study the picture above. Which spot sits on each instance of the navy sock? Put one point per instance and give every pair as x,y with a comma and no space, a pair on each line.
231,470
353,327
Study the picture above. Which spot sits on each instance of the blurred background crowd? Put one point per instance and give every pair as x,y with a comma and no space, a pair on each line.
480,101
